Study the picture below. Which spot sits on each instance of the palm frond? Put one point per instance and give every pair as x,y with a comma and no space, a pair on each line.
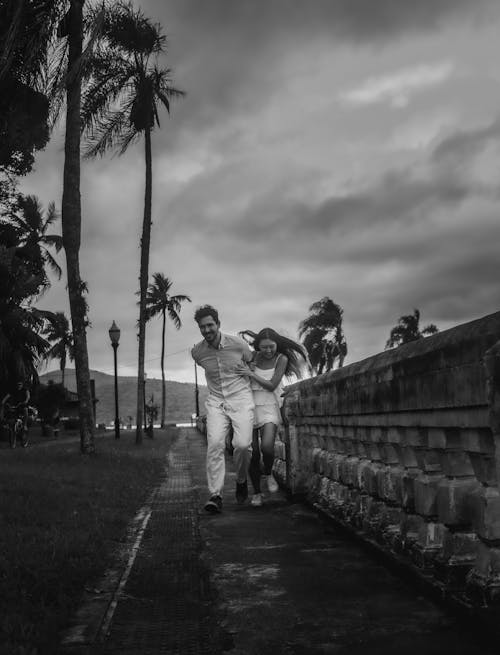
106,134
52,264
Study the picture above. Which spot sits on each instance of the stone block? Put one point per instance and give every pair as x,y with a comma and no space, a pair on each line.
407,457
479,440
330,465
410,528
428,460
369,478
415,437
316,459
350,472
394,485
407,499
374,452
395,435
456,463
430,537
323,459
375,435
425,487
361,433
459,548
454,500
389,454
323,491
436,438
484,468
485,513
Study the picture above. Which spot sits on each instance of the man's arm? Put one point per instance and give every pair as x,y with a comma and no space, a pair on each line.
247,355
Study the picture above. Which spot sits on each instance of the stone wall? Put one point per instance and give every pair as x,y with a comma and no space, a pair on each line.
404,448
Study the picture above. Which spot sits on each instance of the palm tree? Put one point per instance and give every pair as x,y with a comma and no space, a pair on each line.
322,335
408,329
58,333
25,48
159,302
21,345
72,28
122,102
33,227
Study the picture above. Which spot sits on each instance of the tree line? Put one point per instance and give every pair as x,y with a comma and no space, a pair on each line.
101,65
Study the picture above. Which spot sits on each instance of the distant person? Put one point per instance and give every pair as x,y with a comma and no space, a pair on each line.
275,357
229,404
18,398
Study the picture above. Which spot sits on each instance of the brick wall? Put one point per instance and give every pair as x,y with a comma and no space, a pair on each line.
403,448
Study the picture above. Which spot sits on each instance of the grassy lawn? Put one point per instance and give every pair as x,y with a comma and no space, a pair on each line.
61,517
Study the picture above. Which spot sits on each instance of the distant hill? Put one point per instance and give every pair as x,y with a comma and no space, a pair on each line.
180,395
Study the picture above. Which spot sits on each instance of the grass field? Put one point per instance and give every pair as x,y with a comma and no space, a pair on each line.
62,516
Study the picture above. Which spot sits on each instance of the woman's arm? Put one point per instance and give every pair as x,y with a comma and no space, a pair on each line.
279,372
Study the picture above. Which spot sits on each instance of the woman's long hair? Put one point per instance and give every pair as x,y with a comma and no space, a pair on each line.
296,354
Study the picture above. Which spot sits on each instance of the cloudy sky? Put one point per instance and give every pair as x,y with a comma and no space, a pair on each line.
347,148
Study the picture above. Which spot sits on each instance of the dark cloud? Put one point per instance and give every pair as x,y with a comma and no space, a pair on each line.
226,53
465,144
351,19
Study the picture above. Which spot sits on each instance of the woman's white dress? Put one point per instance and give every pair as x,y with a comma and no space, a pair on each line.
267,403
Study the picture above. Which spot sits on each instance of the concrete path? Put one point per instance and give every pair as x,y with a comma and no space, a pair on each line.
274,580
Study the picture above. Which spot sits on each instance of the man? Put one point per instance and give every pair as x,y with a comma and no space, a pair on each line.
229,404
18,399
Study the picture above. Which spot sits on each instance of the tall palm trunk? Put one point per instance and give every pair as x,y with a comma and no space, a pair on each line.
163,389
143,282
71,226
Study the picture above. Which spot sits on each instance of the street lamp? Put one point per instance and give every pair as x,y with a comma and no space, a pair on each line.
114,335
144,402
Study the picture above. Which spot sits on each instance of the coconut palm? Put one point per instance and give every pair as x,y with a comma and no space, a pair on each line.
408,329
322,335
24,54
71,27
60,336
159,302
21,345
122,103
33,227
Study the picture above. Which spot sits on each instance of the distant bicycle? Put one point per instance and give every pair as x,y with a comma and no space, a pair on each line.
14,423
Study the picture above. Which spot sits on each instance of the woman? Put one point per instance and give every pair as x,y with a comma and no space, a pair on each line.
275,357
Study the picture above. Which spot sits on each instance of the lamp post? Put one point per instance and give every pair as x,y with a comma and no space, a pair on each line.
114,335
144,402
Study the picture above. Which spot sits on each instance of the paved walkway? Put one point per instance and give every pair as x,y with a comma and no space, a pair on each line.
274,580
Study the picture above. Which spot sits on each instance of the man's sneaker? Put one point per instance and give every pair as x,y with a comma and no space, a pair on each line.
214,504
272,485
256,500
241,492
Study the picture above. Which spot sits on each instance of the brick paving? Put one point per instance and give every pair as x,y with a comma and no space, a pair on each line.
274,580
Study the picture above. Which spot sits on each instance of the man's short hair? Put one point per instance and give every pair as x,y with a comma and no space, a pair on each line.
204,311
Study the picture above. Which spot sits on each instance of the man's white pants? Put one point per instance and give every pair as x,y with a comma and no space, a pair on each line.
220,417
